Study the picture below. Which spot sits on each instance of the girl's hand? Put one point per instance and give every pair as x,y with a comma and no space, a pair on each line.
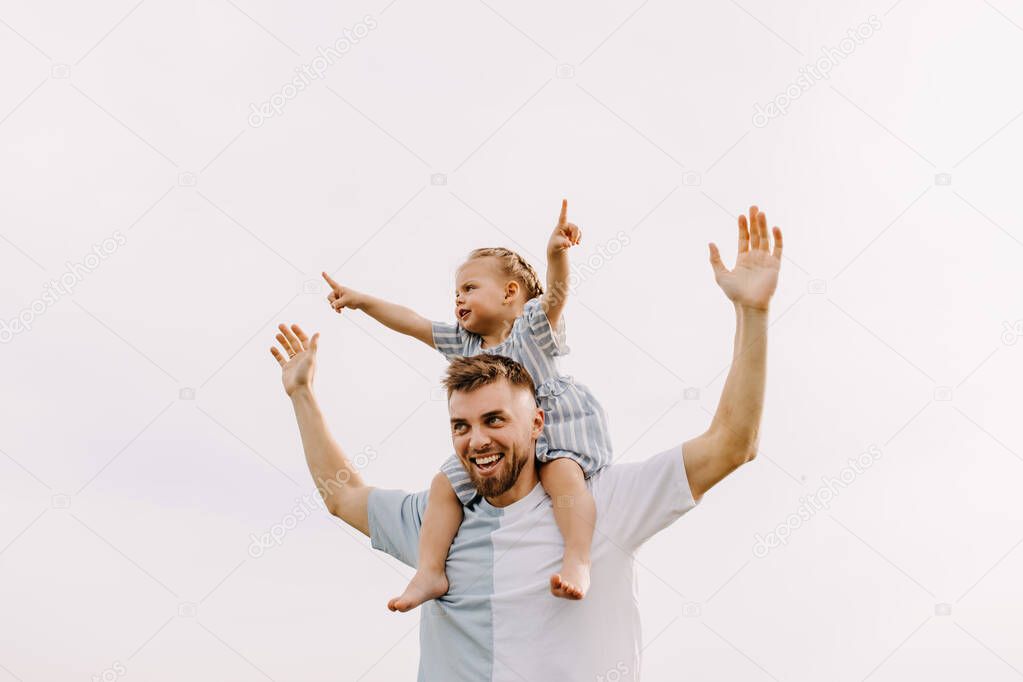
342,297
565,235
753,280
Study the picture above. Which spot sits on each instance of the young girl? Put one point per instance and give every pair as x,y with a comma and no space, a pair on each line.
502,309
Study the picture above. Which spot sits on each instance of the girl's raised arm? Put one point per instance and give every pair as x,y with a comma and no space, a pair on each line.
565,236
397,317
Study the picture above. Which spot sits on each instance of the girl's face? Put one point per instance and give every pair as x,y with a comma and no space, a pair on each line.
483,296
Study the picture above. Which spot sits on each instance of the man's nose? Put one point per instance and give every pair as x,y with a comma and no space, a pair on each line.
479,440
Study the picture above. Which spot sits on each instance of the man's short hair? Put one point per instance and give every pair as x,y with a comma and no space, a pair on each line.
466,374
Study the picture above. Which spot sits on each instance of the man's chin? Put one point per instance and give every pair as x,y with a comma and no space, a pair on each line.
500,481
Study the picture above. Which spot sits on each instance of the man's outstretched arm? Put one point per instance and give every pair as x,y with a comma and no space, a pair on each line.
339,484
733,435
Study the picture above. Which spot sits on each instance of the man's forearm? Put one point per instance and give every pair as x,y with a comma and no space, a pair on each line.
339,484
737,419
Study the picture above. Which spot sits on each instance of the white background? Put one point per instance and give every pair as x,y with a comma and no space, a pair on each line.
128,511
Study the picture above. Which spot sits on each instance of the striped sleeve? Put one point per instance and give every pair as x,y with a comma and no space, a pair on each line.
551,341
449,339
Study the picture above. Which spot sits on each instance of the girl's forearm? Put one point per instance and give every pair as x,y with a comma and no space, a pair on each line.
397,317
554,298
558,273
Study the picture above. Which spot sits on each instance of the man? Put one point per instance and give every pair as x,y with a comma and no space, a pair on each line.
498,620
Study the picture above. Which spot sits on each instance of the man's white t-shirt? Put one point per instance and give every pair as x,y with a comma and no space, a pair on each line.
499,622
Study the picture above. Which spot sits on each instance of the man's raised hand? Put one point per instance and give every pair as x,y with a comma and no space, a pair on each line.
565,235
298,361
341,297
752,281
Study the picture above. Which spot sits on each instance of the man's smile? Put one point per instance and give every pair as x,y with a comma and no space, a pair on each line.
488,462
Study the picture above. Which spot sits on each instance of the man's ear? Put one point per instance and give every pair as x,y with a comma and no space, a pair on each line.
538,420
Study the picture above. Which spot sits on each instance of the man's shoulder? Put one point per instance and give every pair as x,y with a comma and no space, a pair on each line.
638,499
665,466
395,518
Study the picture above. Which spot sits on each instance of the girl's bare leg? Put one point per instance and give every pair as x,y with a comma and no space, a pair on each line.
441,520
576,514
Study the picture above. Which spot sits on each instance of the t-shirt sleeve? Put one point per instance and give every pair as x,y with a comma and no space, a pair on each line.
449,339
636,500
550,340
395,518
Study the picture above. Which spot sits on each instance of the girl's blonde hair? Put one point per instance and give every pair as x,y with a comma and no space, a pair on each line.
515,266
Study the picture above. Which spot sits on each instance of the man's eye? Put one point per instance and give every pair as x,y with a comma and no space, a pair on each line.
494,419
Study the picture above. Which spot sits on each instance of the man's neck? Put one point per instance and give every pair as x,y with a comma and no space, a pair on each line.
524,484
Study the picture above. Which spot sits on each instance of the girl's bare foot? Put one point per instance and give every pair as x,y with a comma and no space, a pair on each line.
573,581
424,586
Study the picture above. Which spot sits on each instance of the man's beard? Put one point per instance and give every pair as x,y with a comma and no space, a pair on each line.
492,486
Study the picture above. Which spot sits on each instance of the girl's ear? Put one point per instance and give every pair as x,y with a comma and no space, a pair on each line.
511,290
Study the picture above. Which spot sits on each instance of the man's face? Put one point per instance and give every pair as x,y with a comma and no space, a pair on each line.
494,431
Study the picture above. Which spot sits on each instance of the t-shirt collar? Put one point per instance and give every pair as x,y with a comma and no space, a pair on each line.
517,508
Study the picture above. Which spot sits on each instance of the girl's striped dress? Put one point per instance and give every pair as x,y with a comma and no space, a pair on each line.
575,423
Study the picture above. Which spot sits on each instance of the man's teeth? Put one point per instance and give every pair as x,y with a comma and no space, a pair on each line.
489,459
